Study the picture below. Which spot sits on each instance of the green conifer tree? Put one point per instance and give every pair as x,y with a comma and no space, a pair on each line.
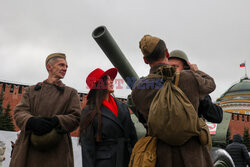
246,138
1,103
8,120
1,110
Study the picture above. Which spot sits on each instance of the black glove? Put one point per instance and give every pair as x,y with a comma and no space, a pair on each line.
39,125
53,120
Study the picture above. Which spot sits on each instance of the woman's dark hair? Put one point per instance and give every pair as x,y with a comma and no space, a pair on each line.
93,107
158,53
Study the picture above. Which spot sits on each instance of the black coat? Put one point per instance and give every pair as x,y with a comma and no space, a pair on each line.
210,111
238,152
118,138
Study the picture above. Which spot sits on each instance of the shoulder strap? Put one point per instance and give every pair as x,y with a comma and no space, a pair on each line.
177,77
153,76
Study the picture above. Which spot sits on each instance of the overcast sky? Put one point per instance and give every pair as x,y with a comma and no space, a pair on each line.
215,34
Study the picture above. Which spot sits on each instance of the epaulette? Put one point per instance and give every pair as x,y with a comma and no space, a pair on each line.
60,86
38,86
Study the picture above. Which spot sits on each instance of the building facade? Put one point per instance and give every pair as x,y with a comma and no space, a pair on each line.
236,101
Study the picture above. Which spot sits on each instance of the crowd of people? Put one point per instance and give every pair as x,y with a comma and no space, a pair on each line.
50,110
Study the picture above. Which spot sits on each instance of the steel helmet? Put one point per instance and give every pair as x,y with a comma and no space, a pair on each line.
178,54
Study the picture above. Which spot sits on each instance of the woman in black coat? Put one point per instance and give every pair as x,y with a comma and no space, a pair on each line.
107,134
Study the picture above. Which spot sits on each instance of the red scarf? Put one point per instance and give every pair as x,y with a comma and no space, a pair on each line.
111,104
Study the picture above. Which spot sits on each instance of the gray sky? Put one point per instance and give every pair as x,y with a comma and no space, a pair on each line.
215,34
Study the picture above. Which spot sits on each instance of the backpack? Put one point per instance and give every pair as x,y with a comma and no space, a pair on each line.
144,153
172,117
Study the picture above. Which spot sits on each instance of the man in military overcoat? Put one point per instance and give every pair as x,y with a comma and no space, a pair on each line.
46,114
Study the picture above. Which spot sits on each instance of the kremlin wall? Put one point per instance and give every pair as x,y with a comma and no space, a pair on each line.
236,100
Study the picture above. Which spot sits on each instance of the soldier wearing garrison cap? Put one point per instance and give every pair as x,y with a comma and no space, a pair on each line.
194,83
46,114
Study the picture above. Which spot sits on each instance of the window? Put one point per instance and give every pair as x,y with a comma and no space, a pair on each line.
243,118
232,116
237,112
238,117
3,88
81,97
12,88
20,89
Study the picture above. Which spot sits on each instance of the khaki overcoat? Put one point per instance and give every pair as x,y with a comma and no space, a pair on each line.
195,84
49,100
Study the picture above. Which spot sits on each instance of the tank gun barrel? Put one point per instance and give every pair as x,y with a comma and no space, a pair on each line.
106,42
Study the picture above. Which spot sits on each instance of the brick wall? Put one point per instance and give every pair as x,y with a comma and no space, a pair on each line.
237,124
13,93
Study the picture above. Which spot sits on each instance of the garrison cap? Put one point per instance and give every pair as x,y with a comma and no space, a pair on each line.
148,44
55,55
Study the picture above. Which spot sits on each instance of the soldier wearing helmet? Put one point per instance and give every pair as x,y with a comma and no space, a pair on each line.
180,60
207,109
